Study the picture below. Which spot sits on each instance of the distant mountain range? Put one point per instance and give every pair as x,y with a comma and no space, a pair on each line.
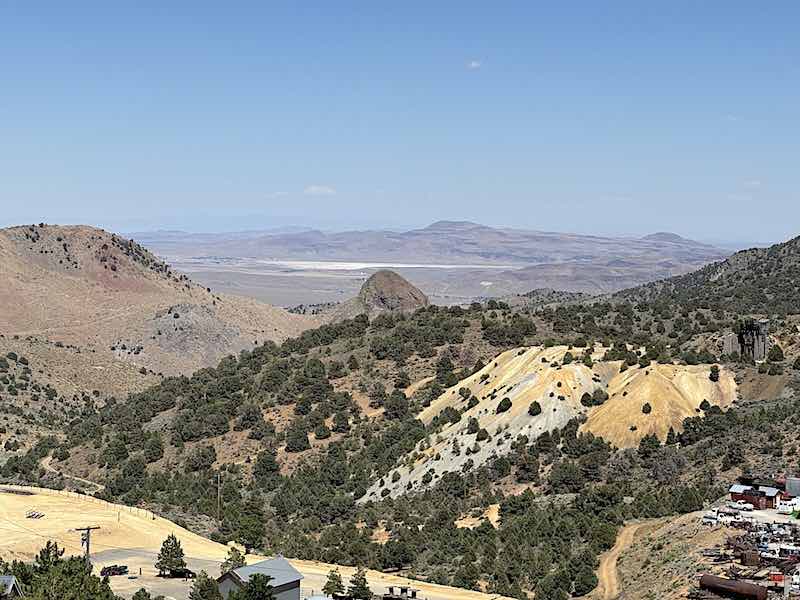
451,261
457,242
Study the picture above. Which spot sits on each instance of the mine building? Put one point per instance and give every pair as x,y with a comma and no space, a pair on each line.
760,496
750,340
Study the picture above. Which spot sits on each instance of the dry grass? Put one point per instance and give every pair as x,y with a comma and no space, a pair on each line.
141,534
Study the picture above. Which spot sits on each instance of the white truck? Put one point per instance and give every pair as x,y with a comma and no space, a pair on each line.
740,505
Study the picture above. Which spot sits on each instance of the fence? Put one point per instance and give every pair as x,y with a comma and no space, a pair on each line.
134,510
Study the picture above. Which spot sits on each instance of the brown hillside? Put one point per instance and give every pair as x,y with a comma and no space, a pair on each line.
86,287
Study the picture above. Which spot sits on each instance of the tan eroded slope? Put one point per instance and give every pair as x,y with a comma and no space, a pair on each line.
674,393
527,375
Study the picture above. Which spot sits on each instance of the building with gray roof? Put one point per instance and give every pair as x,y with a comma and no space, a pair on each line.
284,578
9,587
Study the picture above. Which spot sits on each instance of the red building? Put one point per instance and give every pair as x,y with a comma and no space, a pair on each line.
760,496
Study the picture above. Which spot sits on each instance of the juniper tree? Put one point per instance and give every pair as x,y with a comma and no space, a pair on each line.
334,585
205,588
170,557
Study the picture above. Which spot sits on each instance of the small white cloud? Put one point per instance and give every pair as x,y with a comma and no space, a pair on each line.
733,118
753,183
319,190
474,65
277,194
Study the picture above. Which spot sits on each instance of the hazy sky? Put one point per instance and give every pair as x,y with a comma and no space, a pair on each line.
601,117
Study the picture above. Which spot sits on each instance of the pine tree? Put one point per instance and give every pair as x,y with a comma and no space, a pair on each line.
775,354
334,585
258,588
341,422
297,437
205,588
170,557
359,588
234,561
671,437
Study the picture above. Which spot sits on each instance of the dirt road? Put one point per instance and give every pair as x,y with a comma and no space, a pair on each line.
608,581
45,464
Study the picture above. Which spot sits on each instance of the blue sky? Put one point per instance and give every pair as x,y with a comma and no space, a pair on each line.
599,117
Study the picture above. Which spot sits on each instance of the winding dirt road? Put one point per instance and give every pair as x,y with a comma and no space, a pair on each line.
45,464
608,580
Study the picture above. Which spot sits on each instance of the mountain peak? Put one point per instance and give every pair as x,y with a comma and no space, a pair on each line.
667,236
453,226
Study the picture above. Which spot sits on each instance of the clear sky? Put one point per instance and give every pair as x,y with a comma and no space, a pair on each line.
600,117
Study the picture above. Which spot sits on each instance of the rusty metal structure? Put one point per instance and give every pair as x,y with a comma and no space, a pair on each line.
731,588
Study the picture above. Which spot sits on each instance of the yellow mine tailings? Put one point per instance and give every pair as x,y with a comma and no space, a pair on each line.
537,374
525,375
674,393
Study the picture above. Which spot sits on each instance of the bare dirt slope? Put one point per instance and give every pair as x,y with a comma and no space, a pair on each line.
537,374
133,537
86,287
607,576
665,558
674,392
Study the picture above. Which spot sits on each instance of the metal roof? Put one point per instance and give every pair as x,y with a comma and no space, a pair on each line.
739,488
280,569
769,491
8,584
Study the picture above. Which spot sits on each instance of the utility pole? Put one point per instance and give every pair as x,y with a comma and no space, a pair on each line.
86,539
219,495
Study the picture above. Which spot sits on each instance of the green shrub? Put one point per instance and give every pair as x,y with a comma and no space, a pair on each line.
504,405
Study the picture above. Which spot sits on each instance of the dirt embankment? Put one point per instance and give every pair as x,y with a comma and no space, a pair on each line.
94,290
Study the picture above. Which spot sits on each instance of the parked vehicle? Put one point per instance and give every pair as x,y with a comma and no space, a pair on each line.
112,570
740,505
183,574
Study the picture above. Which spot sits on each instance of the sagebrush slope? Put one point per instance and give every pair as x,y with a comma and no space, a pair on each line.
86,287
